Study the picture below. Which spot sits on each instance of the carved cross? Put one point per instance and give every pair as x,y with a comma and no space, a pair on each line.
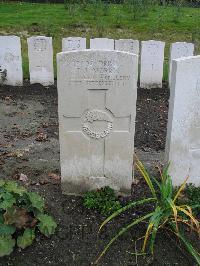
97,123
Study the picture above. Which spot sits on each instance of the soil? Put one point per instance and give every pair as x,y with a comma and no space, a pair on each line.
29,145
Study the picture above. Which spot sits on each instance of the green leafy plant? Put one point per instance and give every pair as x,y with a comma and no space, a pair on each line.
104,200
167,214
191,196
21,213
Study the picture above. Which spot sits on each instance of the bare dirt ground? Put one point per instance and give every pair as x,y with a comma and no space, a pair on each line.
29,145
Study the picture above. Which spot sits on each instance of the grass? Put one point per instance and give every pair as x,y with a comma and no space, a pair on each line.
161,23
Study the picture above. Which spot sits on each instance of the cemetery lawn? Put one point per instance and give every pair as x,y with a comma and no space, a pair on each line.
29,145
168,24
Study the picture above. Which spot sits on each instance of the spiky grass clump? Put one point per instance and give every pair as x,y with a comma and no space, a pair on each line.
167,213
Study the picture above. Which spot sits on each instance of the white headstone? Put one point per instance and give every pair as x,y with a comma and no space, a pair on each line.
97,107
178,50
128,45
10,61
40,53
73,43
152,59
102,44
183,133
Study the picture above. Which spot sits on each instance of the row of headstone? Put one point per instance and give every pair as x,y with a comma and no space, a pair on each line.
78,43
152,54
97,93
40,53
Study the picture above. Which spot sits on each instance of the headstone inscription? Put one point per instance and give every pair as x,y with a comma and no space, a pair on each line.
97,107
10,61
152,59
127,45
40,54
183,132
102,44
73,43
178,50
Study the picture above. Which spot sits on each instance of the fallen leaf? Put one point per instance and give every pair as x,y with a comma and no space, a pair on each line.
9,100
45,125
33,183
41,137
16,153
136,181
23,178
54,176
43,181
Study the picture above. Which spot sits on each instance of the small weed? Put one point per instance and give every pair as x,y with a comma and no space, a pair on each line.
104,200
